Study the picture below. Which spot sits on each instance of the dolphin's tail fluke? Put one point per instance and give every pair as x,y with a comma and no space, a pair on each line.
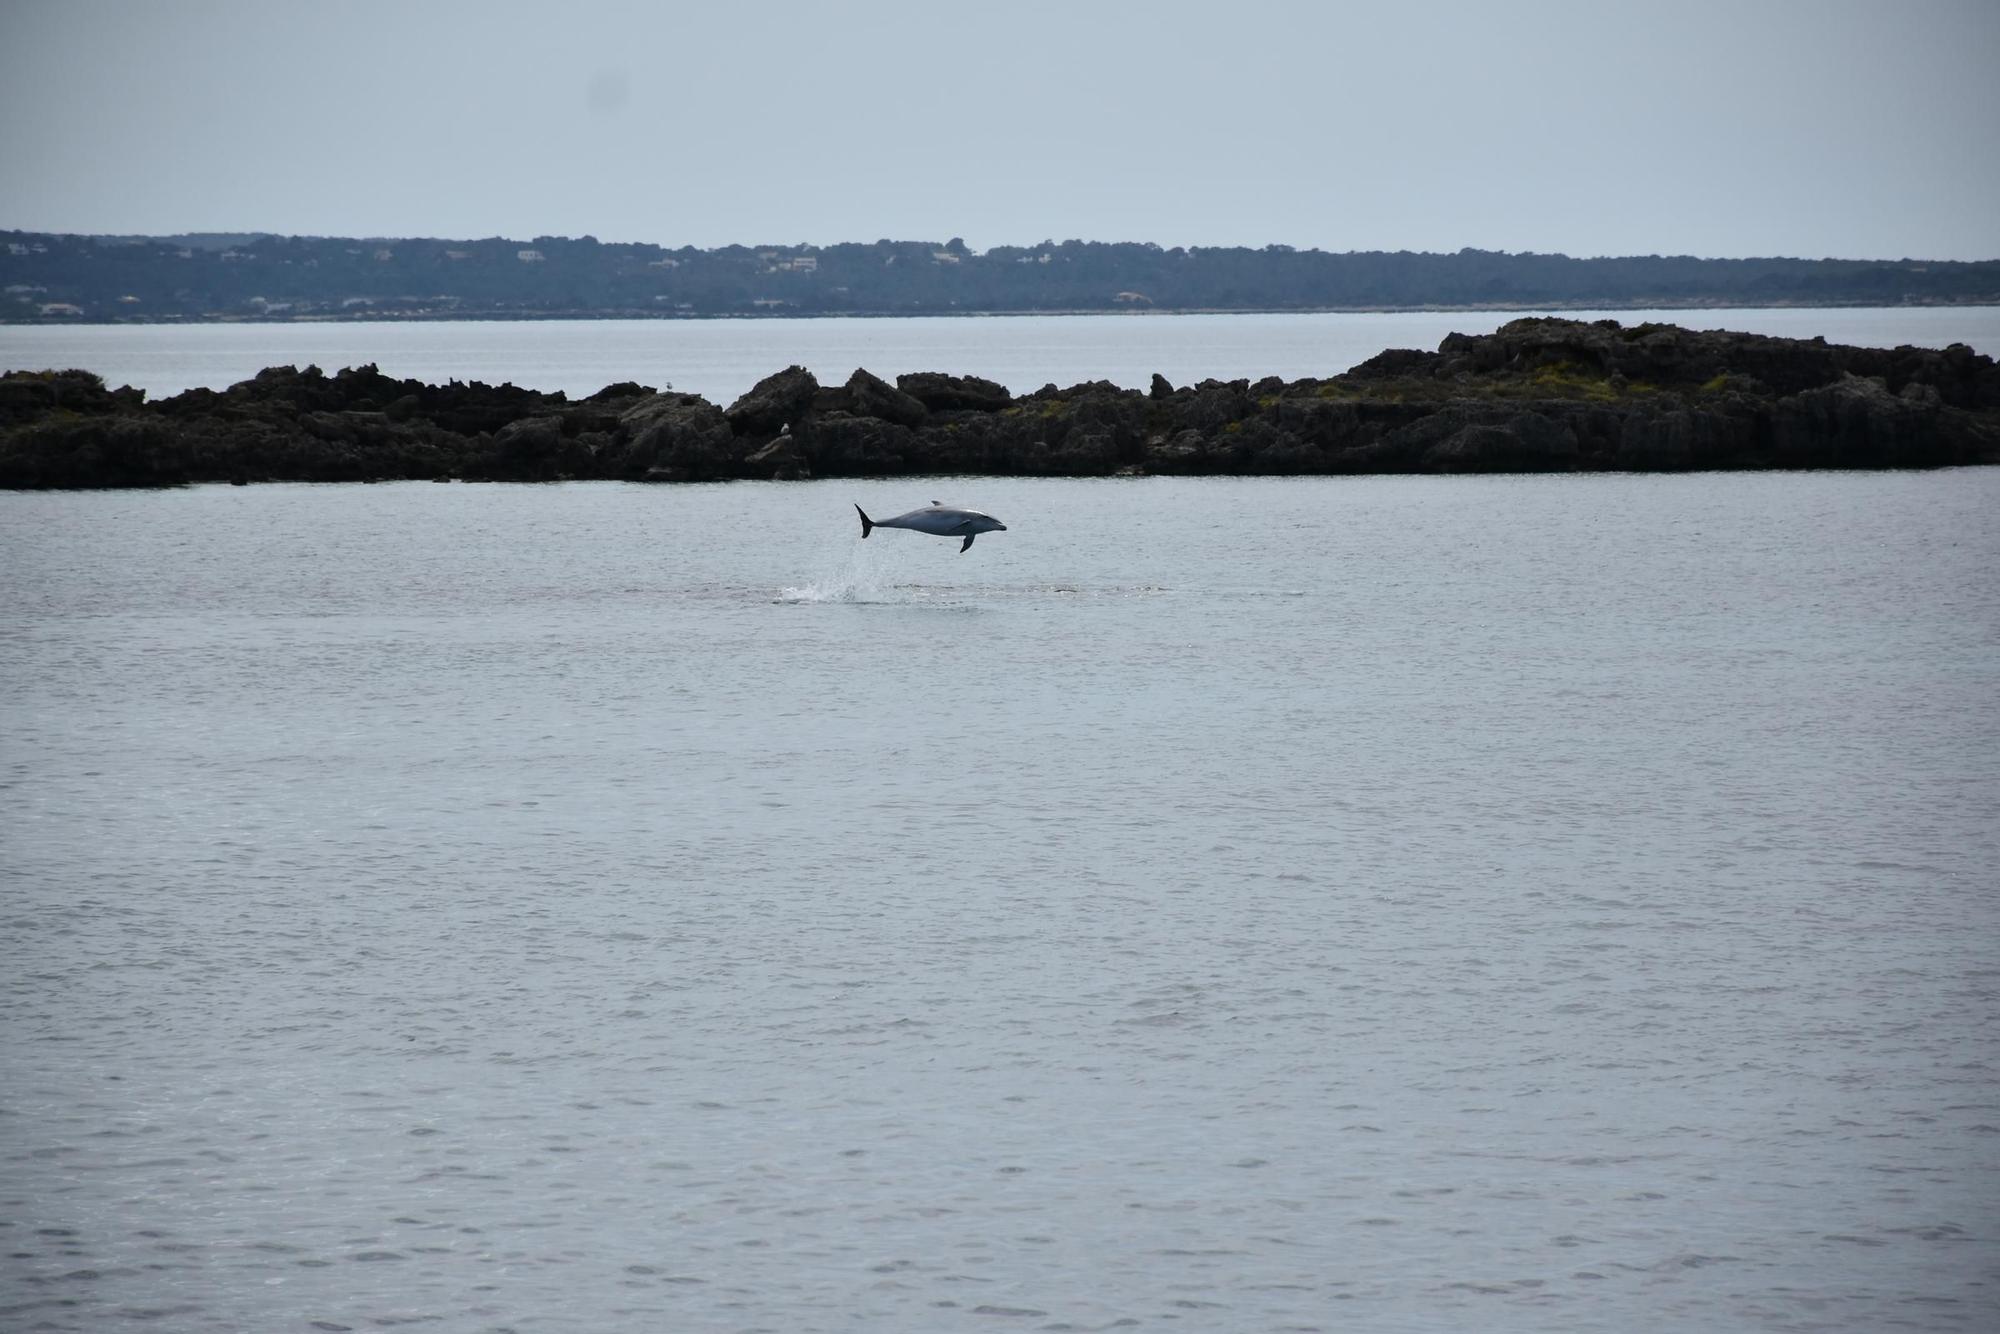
867,524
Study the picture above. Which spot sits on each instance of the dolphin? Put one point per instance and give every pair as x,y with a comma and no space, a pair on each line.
938,519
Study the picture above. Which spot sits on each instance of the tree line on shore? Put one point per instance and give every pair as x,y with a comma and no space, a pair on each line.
55,278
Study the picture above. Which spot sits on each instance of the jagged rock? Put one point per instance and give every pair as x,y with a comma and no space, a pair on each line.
1475,448
1686,438
1180,452
28,394
780,461
872,396
773,402
97,451
1084,454
1214,404
1857,423
674,437
832,398
531,435
954,393
622,391
1398,362
844,445
1526,442
1325,423
538,449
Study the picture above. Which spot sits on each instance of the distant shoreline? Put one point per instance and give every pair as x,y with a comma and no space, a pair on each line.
641,316
257,277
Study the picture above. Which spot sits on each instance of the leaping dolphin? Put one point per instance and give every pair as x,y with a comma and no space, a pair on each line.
939,520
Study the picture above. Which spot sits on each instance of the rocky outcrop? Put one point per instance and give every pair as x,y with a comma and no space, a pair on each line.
774,402
673,438
871,396
954,393
1539,395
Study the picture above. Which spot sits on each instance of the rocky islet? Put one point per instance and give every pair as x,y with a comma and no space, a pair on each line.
1538,395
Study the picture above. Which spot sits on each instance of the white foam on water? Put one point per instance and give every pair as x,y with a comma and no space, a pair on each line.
864,575
856,580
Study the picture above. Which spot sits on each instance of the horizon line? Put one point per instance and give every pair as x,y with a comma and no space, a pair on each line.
1046,243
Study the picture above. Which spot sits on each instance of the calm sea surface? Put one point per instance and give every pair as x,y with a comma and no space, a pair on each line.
719,359
1538,904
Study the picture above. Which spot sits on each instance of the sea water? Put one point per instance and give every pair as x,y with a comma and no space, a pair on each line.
1540,904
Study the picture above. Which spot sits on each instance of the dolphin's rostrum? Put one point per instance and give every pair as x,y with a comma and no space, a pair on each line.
938,519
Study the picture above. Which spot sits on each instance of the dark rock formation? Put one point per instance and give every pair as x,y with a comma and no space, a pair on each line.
954,393
774,402
674,438
872,396
1539,395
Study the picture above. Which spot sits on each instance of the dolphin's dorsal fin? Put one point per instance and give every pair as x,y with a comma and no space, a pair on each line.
937,504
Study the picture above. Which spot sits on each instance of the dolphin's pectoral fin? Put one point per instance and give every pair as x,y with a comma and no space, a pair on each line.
967,544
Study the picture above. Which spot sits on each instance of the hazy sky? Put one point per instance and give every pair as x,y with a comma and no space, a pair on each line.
1746,127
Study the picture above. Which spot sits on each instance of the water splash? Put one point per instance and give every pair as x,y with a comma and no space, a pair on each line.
835,592
857,581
